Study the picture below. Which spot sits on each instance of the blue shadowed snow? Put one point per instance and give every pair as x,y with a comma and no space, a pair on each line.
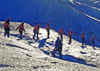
42,42
3,65
74,59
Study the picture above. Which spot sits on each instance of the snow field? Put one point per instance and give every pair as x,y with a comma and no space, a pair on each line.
22,54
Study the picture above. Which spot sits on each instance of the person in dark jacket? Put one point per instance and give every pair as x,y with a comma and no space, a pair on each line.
83,38
36,31
48,29
61,31
93,40
21,28
58,47
7,28
70,33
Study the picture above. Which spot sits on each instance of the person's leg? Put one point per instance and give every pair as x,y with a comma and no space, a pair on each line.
48,33
37,35
69,39
61,37
82,42
48,36
60,54
34,34
5,33
20,34
93,43
53,54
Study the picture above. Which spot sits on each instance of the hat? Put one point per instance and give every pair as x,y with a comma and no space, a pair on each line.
8,18
22,22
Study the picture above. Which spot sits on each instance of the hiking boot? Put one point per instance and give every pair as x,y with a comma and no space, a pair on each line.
60,58
53,55
37,37
33,37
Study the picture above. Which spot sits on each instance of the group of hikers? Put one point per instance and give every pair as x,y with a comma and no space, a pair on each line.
58,43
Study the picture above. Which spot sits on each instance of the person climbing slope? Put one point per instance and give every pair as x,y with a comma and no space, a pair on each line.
93,40
83,38
58,47
61,32
48,29
7,28
70,33
36,31
21,28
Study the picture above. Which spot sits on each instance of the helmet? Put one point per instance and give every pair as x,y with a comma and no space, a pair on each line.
39,24
61,27
93,35
8,18
22,22
70,29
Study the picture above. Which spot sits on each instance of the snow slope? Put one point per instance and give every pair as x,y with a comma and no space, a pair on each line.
80,15
28,54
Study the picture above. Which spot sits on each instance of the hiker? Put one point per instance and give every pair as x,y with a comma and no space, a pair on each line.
61,32
7,28
93,40
58,47
8,20
70,33
48,29
83,38
21,28
36,31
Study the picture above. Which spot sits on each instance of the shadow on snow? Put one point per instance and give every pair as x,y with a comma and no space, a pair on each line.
76,60
2,65
42,42
16,46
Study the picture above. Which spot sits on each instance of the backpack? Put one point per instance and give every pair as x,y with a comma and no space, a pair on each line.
6,25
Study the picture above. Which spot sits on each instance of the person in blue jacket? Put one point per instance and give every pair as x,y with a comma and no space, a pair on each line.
58,47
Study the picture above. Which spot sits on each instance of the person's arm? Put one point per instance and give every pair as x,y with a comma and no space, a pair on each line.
17,27
24,29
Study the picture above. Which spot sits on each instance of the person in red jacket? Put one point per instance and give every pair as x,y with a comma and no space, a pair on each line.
7,28
83,38
48,29
61,32
21,28
70,33
36,31
93,40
